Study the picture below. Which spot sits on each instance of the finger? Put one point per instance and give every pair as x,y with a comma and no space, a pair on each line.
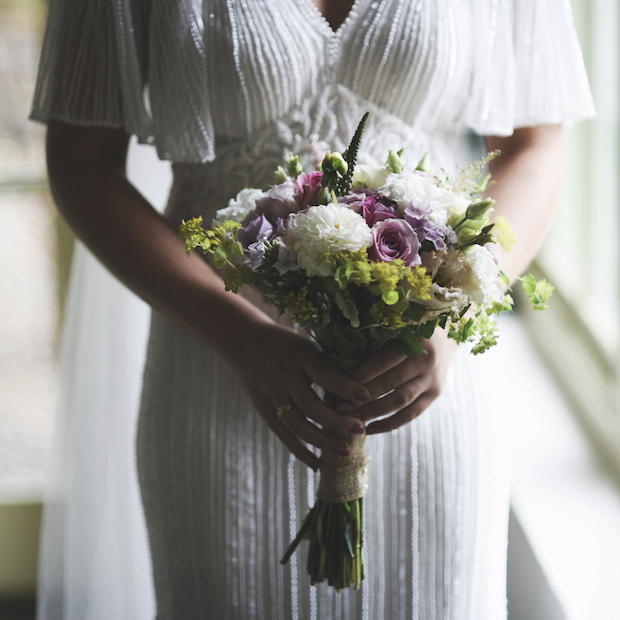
311,434
332,380
400,398
402,417
393,378
293,443
311,406
376,365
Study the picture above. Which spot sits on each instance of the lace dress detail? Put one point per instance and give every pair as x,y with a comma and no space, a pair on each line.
224,89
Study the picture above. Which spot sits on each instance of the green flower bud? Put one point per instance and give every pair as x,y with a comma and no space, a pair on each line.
323,196
281,176
425,163
293,166
338,164
394,162
480,210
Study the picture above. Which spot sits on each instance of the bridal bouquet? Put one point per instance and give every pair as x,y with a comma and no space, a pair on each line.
361,256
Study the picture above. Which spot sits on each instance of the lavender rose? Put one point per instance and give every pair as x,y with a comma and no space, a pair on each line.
278,201
371,206
394,238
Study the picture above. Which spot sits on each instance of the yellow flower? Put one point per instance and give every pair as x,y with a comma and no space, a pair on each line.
300,307
386,276
419,282
503,233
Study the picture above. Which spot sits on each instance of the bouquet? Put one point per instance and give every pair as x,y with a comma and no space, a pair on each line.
362,256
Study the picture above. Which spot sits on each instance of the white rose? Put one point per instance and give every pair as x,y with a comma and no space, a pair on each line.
486,271
371,177
238,207
327,229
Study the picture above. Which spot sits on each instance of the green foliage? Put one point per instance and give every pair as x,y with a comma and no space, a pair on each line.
480,330
539,292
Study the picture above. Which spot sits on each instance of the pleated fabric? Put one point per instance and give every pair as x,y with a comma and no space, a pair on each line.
192,74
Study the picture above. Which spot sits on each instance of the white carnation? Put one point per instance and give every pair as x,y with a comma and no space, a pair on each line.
238,207
408,186
328,229
486,271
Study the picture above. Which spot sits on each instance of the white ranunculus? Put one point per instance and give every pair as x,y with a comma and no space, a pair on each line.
369,177
486,271
238,207
327,229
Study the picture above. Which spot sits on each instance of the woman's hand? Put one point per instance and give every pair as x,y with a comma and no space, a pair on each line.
277,367
401,385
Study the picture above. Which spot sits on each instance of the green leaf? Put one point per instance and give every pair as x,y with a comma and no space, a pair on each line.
347,306
219,258
529,284
407,342
426,330
505,278
415,312
236,249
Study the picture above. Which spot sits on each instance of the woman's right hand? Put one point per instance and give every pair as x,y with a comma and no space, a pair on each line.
277,367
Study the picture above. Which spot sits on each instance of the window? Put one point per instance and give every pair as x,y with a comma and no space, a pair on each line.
580,335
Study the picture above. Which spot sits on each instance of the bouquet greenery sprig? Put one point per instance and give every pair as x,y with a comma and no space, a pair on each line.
362,256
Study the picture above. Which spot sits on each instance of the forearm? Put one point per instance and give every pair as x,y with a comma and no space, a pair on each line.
138,246
526,181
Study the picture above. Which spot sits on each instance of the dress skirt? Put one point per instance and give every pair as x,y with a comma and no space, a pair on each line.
223,498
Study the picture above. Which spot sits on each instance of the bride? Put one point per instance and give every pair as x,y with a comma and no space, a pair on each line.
224,89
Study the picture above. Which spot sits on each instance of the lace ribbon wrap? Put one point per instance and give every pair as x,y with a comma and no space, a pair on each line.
344,478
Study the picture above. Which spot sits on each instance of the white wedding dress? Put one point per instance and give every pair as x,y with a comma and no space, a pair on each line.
224,89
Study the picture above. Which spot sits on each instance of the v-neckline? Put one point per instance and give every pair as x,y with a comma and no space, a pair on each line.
325,23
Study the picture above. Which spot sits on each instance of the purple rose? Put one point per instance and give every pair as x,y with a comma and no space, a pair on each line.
394,238
278,201
371,206
259,229
308,187
416,215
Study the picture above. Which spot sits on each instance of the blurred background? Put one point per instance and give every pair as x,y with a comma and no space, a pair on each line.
559,369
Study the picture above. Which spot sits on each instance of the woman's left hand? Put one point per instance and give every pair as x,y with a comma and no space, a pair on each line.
401,385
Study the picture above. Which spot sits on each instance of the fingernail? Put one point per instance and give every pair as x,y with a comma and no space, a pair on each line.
357,429
362,396
342,450
344,406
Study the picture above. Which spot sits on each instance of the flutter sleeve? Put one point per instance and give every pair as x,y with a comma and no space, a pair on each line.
528,67
135,64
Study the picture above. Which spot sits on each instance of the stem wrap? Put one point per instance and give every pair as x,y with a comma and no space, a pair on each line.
344,478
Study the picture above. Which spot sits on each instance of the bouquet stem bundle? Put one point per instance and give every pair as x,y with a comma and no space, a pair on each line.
334,527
